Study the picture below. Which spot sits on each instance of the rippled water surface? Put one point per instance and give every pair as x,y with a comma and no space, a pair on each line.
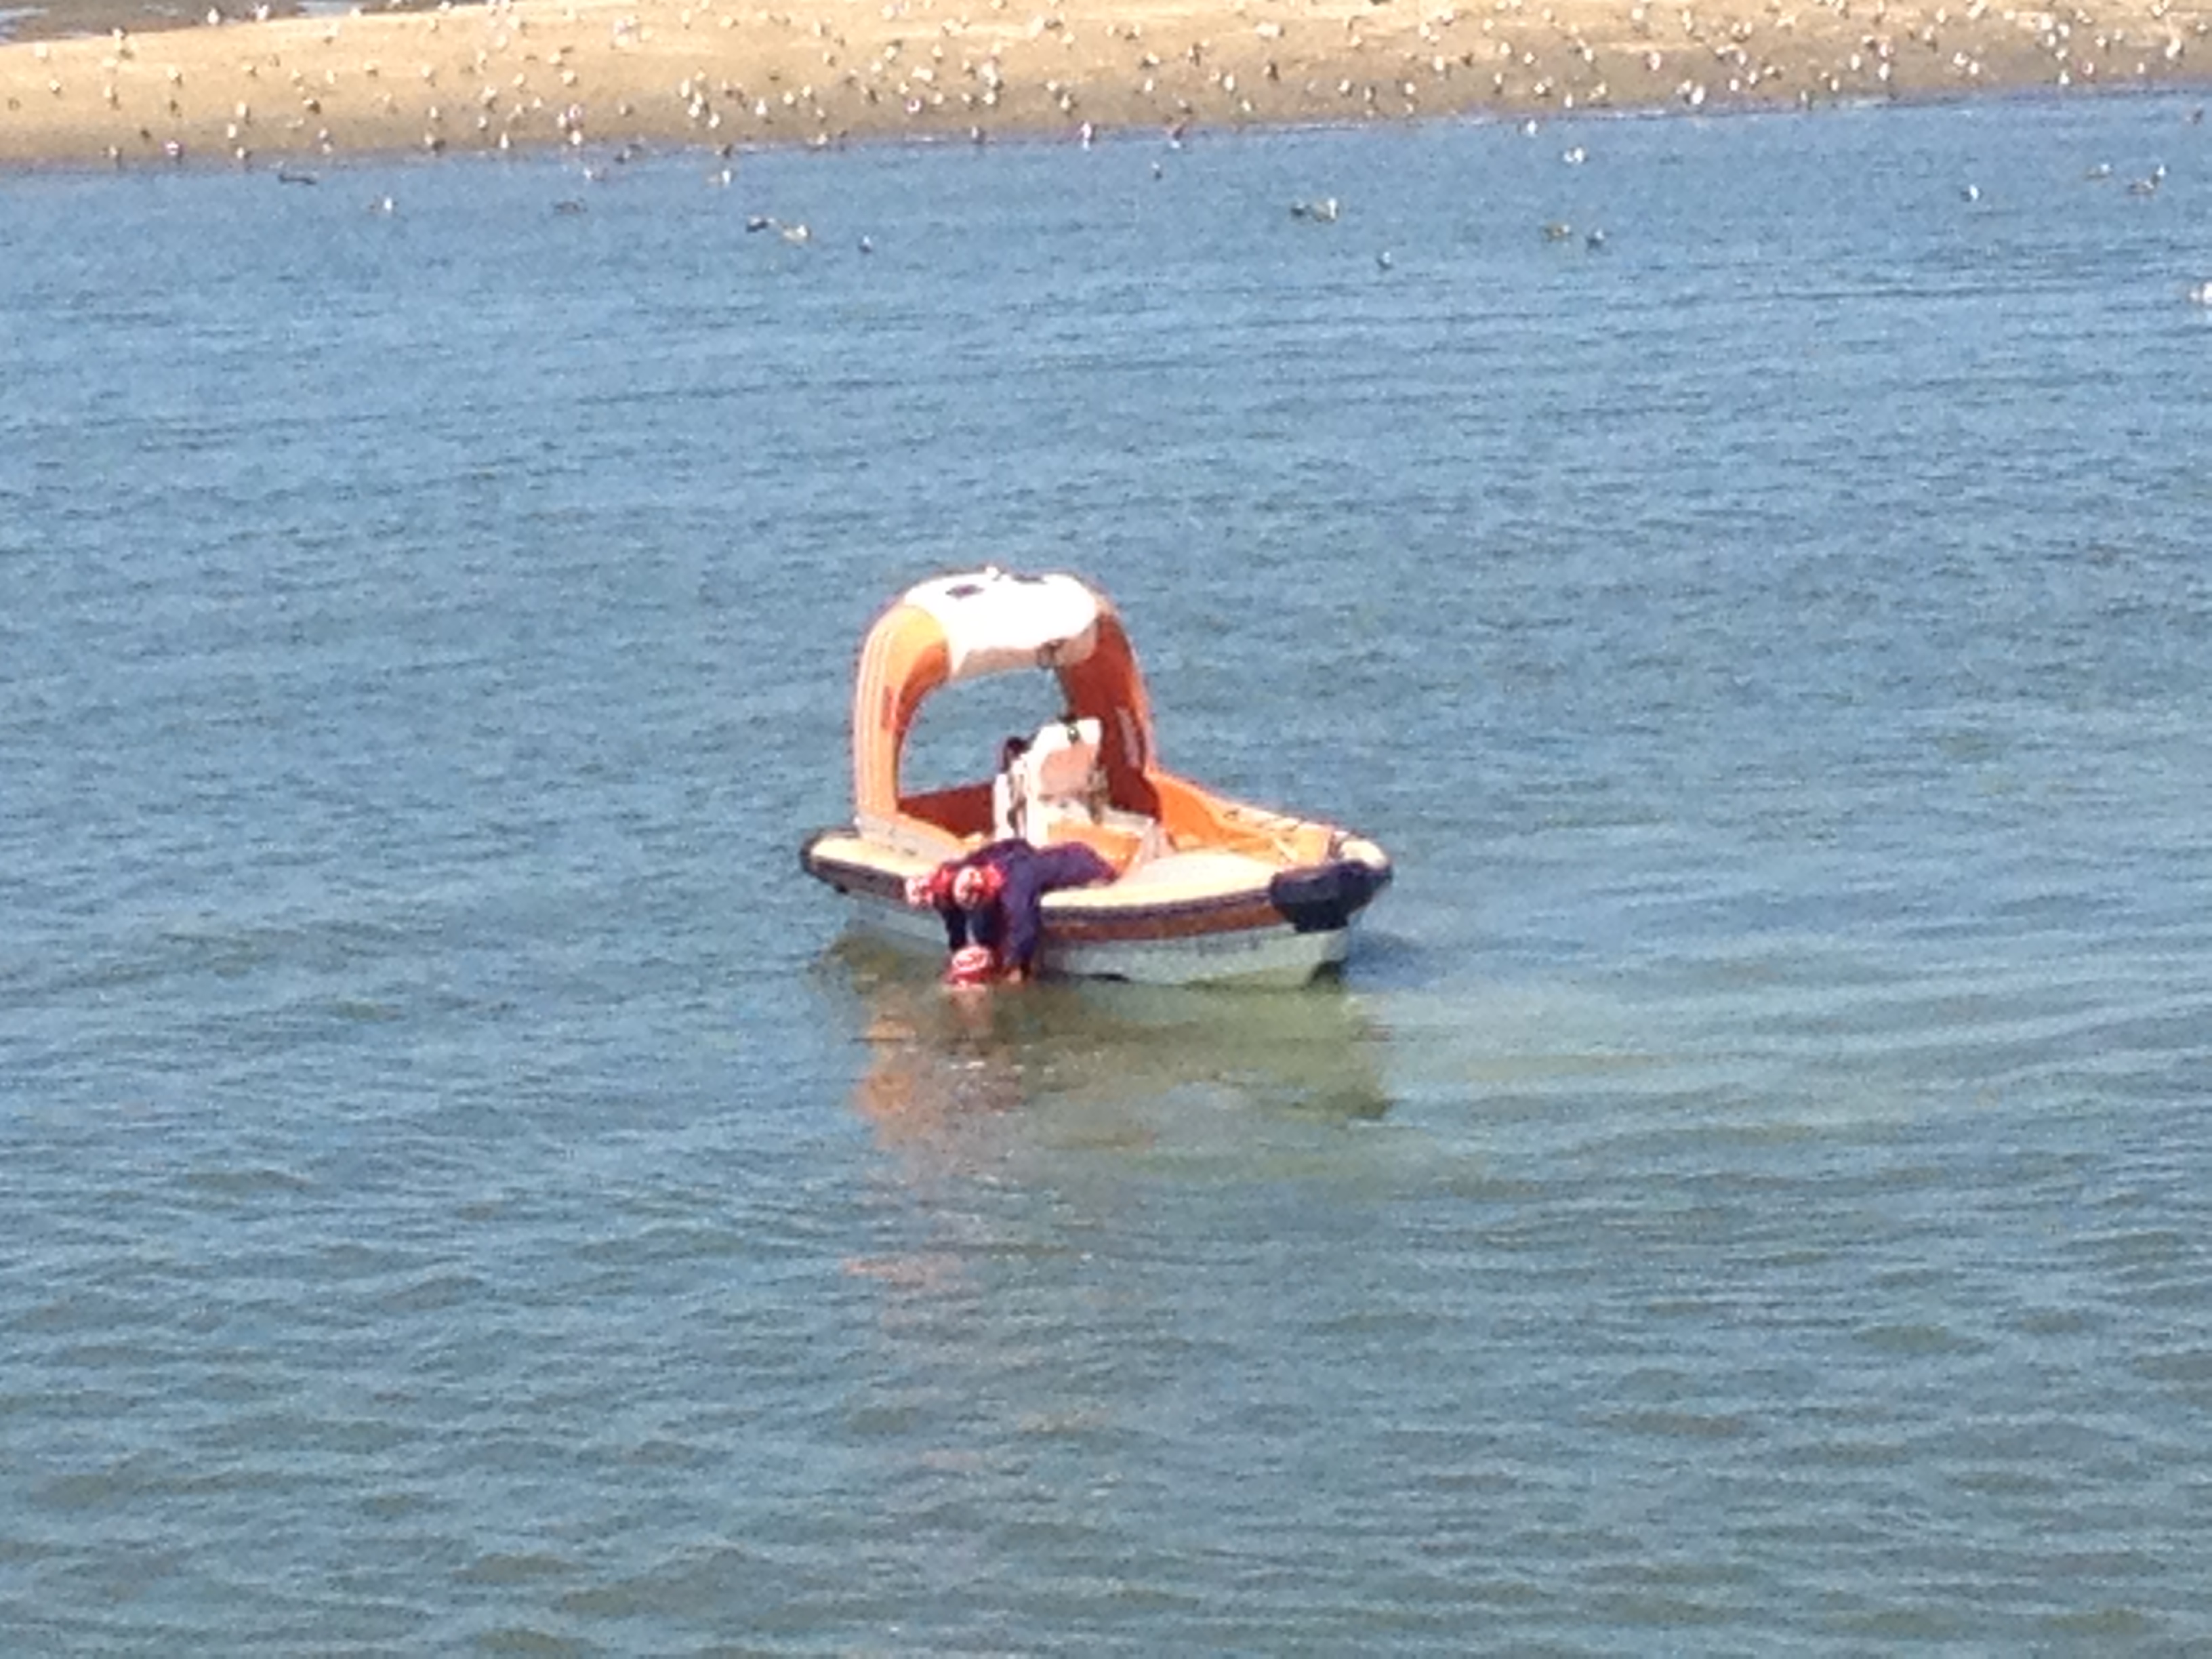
1748,1192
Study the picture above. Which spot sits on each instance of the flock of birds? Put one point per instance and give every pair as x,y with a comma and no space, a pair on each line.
1314,210
1321,210
959,72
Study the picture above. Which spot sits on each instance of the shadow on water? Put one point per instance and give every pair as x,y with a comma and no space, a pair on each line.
1114,1057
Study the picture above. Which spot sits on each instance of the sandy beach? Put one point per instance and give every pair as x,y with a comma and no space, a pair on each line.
114,86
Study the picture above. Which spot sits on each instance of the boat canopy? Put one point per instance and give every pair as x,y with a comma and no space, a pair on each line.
989,621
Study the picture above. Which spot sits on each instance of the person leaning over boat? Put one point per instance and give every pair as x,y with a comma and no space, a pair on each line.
993,903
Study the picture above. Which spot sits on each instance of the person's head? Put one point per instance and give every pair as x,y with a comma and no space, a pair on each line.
1011,750
975,885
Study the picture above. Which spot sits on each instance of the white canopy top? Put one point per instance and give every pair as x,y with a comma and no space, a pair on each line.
994,620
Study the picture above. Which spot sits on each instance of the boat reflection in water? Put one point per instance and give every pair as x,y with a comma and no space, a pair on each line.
1100,1064
1020,1245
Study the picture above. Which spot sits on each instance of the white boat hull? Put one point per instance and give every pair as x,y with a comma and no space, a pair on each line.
1255,956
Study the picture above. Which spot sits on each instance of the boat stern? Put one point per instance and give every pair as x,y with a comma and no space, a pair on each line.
1323,898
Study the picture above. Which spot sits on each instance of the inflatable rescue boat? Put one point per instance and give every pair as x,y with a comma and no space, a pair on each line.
1207,888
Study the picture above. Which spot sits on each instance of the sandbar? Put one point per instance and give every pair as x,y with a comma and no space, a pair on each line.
107,83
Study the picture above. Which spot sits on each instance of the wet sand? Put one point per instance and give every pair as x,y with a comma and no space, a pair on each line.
103,82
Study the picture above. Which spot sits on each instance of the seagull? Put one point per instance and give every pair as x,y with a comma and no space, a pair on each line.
2201,294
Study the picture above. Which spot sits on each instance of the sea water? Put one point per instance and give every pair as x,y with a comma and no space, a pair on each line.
1747,1192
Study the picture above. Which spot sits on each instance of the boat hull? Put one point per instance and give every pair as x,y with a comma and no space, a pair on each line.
1193,919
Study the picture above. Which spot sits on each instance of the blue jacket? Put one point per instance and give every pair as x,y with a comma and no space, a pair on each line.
1011,924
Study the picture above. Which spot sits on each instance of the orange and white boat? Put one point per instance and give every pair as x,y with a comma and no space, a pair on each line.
1207,888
